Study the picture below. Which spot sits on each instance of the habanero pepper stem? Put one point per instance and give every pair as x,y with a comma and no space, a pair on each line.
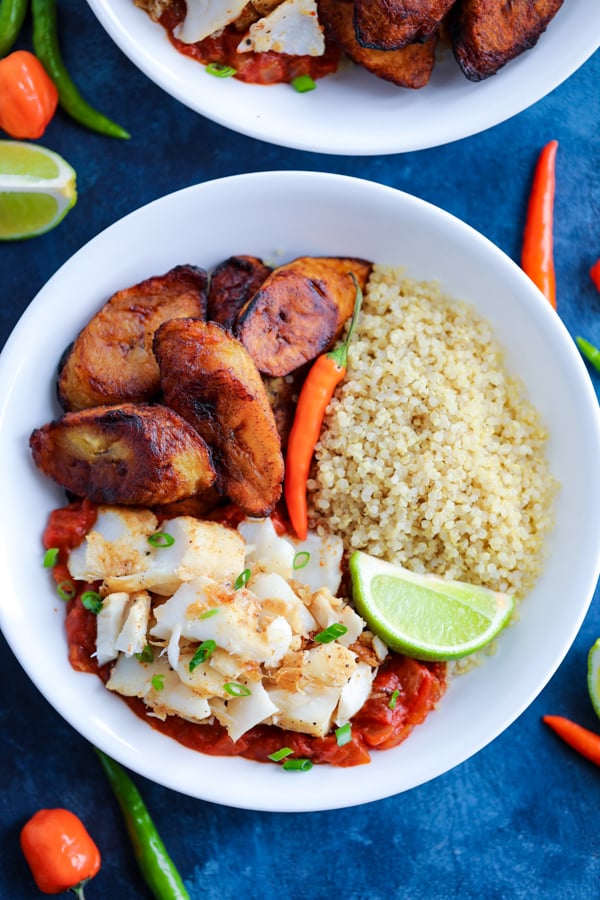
537,256
321,381
585,742
12,16
47,49
155,864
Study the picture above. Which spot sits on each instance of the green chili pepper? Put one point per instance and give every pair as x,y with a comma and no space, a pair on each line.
155,864
591,353
47,49
12,16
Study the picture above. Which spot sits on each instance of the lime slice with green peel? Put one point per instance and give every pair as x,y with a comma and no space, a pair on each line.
593,676
37,189
425,616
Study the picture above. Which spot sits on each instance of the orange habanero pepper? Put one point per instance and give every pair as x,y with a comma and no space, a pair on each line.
28,97
59,851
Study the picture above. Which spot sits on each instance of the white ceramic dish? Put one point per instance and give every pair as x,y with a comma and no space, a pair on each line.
355,218
352,112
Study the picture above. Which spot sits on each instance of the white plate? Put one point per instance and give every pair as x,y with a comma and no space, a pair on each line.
353,112
275,214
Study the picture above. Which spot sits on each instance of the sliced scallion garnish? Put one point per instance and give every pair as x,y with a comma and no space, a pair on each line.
236,689
303,83
158,682
161,539
147,654
393,698
330,634
50,557
301,559
220,70
92,601
202,653
66,590
343,734
208,613
297,765
280,754
242,579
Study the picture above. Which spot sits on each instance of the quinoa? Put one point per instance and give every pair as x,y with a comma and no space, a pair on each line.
431,456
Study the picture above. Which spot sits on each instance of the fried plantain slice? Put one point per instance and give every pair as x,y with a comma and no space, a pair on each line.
208,378
232,284
485,34
410,67
130,454
392,24
111,360
300,311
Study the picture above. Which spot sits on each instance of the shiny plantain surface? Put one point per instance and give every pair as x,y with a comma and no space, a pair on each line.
111,360
134,454
211,381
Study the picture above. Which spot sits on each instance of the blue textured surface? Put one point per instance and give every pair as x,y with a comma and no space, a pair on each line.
519,820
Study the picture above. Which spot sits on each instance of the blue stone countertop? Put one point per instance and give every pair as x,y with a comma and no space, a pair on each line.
520,818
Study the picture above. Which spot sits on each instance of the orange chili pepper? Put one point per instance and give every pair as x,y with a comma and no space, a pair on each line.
28,97
537,257
317,391
595,274
587,743
59,851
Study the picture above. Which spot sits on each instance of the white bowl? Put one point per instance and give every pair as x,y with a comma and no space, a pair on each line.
275,214
353,112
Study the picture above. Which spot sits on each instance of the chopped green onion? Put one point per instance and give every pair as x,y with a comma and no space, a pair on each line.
242,579
393,698
343,734
92,601
202,654
161,539
147,654
50,557
66,590
297,765
330,634
158,682
303,83
207,614
280,754
236,689
220,70
301,559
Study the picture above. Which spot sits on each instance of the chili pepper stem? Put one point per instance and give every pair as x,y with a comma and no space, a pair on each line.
78,891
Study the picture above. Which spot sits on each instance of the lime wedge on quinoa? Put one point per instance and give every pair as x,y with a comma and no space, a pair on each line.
425,616
593,676
37,189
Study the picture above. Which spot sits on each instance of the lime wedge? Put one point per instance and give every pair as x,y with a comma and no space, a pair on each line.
426,616
593,676
37,189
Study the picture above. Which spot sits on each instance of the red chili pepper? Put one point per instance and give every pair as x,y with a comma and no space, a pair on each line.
537,258
59,851
317,391
595,274
587,743
28,97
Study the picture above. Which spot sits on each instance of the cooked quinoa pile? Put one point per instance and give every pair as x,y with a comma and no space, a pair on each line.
430,455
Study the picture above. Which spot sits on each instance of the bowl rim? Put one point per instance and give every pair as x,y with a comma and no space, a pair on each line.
99,733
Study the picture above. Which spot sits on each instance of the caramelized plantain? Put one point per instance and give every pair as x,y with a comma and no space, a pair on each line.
392,24
208,378
131,454
300,311
486,34
410,67
232,284
111,360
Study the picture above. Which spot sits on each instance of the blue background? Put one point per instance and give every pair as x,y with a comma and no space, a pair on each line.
520,819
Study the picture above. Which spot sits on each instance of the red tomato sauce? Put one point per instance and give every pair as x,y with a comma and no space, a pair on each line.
404,691
255,68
